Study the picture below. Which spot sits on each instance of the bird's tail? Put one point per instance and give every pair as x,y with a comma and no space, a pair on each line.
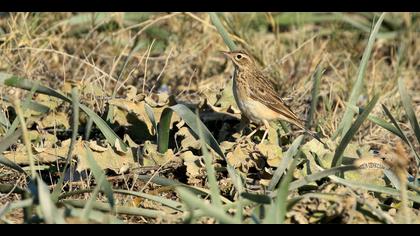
314,134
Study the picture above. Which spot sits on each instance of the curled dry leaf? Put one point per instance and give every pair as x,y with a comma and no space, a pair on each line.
194,165
131,93
44,139
137,108
56,119
151,157
243,157
272,152
93,144
106,158
157,100
189,140
48,101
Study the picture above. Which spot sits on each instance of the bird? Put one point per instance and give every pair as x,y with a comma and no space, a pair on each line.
256,98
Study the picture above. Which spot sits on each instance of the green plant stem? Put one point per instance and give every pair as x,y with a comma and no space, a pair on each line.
25,135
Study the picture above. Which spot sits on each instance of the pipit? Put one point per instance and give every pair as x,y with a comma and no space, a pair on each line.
256,98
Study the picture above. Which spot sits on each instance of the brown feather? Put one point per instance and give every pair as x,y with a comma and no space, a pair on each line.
268,96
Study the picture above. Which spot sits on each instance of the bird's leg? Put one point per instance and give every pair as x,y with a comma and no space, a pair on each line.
267,127
253,132
243,138
244,122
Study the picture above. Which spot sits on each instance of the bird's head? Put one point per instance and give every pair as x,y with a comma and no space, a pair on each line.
240,59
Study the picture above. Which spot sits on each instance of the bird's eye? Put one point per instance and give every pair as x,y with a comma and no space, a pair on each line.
239,56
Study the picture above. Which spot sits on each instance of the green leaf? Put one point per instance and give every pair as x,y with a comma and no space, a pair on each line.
338,155
282,193
5,144
120,209
17,82
27,103
285,162
409,111
100,177
164,201
196,203
169,182
316,78
49,210
135,47
257,198
374,188
151,116
3,119
345,123
319,175
96,216
191,120
4,209
404,137
381,122
211,173
75,128
87,209
219,26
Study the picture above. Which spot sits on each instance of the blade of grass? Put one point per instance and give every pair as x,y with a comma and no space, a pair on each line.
75,128
88,128
406,101
316,176
5,143
236,179
316,78
338,155
374,188
27,103
282,193
190,119
135,47
164,201
381,122
211,173
319,175
118,209
99,174
345,123
18,108
257,198
48,208
87,209
3,119
4,209
285,162
219,26
196,203
404,137
169,182
151,116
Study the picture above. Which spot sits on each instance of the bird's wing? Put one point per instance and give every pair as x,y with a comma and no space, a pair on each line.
265,94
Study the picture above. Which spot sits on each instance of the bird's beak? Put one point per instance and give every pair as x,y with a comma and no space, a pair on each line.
226,53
